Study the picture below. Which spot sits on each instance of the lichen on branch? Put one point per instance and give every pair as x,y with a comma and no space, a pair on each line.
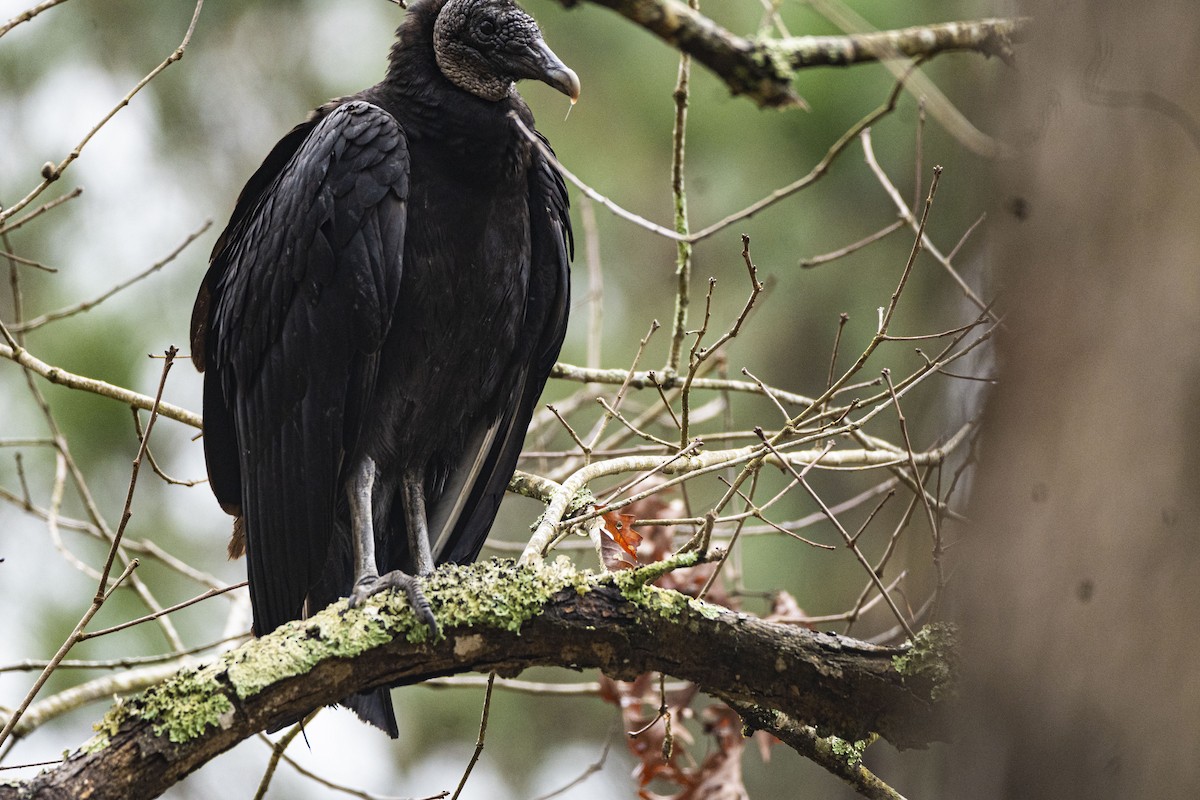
494,616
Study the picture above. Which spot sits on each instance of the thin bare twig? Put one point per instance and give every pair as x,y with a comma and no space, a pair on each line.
683,254
631,426
150,617
934,528
919,154
662,395
595,295
842,252
29,14
347,790
860,606
72,381
966,235
588,772
127,511
52,172
628,216
571,431
848,539
910,218
607,417
866,522
887,314
815,174
137,427
28,262
29,665
86,305
843,318
66,646
42,209
277,750
699,354
783,412
487,706
57,490
103,589
826,619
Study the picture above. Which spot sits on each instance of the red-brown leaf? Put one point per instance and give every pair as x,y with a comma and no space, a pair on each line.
618,547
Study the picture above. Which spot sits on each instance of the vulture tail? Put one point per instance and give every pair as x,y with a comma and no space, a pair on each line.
374,708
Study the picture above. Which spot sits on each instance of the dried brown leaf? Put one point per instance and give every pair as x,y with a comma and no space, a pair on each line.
618,546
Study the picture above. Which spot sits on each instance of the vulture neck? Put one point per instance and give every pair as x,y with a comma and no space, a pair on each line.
429,106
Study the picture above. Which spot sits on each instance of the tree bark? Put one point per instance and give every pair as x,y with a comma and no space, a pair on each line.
497,617
763,68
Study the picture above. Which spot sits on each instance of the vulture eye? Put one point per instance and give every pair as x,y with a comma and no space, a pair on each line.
487,28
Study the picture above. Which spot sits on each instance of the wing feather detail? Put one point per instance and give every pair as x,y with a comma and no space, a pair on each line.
293,312
552,247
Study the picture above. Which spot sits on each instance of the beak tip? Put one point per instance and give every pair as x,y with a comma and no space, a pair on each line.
564,79
573,86
553,72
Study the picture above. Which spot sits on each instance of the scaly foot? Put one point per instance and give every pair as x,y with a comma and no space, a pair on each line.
371,585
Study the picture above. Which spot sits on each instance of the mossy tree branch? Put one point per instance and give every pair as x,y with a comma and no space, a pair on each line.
496,617
763,68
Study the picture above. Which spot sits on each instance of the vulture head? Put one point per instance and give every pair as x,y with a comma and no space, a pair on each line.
485,46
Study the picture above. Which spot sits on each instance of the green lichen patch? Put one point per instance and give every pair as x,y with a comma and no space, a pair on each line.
295,648
932,656
182,707
186,705
850,752
106,728
494,594
583,498
635,587
498,593
95,744
652,572
774,56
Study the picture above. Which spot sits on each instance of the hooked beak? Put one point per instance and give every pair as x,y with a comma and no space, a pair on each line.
549,69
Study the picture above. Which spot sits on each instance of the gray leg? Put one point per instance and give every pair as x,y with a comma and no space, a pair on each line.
362,525
413,487
367,580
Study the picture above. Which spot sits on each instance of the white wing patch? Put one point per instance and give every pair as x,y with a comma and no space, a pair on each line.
458,489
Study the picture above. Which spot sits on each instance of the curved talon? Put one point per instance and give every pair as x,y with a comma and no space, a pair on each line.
372,585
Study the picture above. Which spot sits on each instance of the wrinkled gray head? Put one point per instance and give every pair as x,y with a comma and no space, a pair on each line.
484,46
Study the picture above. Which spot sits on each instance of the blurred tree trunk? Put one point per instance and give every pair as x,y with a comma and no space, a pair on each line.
1081,603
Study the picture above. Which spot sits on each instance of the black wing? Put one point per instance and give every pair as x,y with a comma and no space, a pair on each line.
552,246
292,315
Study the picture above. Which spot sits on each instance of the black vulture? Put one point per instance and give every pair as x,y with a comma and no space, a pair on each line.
379,318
